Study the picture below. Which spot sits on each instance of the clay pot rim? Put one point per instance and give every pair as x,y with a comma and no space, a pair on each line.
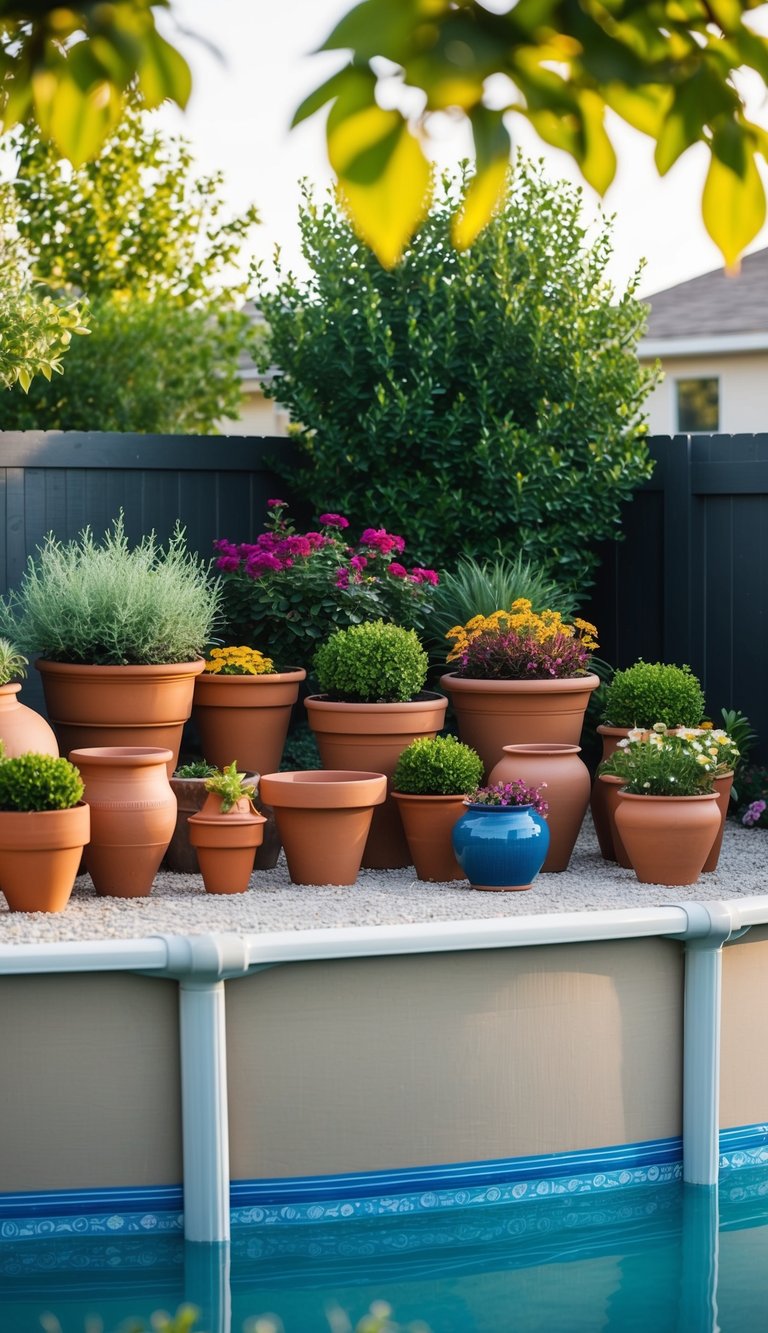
326,788
247,774
565,684
428,796
542,748
267,678
75,821
10,687
105,756
230,818
650,796
426,697
194,667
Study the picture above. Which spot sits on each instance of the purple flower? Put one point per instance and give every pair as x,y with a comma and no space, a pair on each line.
334,520
358,562
397,571
419,575
228,562
382,541
342,578
261,562
752,814
275,504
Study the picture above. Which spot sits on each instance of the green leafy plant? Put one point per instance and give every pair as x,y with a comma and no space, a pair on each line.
13,664
663,764
198,768
494,396
743,735
230,785
650,692
39,782
111,603
478,587
371,663
437,766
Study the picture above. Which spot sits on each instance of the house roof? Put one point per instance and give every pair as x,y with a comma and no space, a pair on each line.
714,305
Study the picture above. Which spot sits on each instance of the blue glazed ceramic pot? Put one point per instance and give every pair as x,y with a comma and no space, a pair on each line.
501,846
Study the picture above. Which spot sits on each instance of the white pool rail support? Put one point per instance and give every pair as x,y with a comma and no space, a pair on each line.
710,925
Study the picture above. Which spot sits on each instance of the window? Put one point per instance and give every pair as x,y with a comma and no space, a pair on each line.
698,405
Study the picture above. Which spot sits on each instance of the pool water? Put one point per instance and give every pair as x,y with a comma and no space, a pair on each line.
667,1259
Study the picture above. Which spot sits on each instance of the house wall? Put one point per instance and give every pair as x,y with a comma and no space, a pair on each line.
743,391
258,415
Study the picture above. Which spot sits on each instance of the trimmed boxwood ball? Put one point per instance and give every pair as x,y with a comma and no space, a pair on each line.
371,663
39,782
438,766
650,692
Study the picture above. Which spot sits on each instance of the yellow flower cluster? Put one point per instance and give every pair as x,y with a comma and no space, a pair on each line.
521,619
240,661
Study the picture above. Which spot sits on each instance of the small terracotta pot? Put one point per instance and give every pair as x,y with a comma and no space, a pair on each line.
22,730
611,786
190,794
668,838
144,706
599,802
723,793
245,718
428,823
495,713
567,791
40,855
371,738
323,818
226,843
133,814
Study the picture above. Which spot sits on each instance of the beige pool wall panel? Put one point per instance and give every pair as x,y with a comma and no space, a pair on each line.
438,1058
743,1063
89,1082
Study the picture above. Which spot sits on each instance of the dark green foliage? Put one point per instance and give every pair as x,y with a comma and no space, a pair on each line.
438,766
479,587
197,769
743,735
371,663
300,750
39,782
650,692
493,395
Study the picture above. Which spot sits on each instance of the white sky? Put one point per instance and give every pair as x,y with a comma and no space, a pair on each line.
243,102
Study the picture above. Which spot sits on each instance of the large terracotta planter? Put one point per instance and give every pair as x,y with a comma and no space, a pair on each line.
22,730
101,706
567,782
226,843
495,713
40,855
428,823
245,718
323,818
370,738
501,847
723,793
601,817
668,838
133,815
190,794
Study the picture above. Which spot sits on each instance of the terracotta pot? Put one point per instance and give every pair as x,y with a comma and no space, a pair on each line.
40,855
723,793
22,730
371,738
612,786
495,713
245,718
668,838
599,803
133,814
567,791
226,843
190,795
323,818
132,706
428,823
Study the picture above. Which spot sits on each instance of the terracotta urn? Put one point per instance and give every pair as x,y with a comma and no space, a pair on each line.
40,853
190,795
668,838
132,706
495,713
370,738
723,793
245,718
559,769
601,818
226,842
428,823
22,730
133,815
323,818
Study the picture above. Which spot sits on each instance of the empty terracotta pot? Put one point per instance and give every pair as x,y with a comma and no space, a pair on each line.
245,718
599,802
723,793
323,818
428,822
668,838
226,843
40,853
567,784
22,730
133,815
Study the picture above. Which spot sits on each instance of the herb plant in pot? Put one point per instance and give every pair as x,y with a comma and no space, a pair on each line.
520,678
226,832
501,840
431,782
22,730
44,826
121,630
242,707
372,705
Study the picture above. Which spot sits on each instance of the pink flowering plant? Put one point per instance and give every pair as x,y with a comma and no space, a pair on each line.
288,590
511,793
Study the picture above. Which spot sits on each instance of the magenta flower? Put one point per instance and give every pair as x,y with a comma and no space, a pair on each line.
382,541
334,520
397,571
261,562
358,562
342,578
419,575
275,504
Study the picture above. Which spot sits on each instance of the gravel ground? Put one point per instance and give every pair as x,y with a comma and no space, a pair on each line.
179,905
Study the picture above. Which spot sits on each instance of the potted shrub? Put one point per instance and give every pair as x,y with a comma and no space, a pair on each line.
21,729
44,826
666,815
226,832
323,819
502,839
120,630
432,779
520,677
371,706
242,707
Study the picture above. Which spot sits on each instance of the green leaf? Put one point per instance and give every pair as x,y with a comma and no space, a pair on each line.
733,202
322,94
80,120
488,186
163,72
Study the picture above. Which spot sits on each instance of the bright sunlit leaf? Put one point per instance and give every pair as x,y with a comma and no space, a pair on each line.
733,202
